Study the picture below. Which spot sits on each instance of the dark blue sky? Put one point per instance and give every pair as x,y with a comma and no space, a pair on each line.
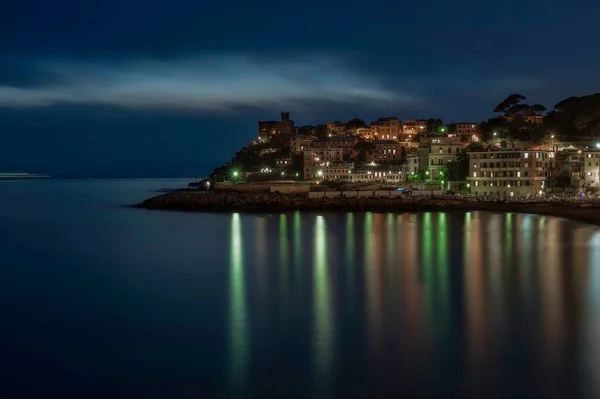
174,87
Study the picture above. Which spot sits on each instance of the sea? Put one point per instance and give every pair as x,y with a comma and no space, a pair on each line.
101,300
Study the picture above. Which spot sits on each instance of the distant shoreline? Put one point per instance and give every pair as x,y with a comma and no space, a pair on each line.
198,201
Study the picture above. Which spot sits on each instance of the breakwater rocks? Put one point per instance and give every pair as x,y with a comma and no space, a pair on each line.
199,201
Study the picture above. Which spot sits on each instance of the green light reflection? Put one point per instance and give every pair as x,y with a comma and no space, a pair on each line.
350,249
283,256
238,323
323,331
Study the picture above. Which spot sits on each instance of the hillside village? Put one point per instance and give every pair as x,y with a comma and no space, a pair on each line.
521,151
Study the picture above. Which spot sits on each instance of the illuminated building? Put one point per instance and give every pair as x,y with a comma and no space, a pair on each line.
510,173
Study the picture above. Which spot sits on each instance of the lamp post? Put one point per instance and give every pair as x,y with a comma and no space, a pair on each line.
235,175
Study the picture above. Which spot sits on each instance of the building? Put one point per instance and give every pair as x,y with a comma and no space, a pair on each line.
336,171
591,167
299,142
317,158
367,133
386,129
510,173
282,163
376,175
412,127
411,165
417,161
536,119
442,151
468,131
347,144
282,130
384,151
336,127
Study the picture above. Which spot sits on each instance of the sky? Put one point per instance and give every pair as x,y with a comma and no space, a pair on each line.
173,88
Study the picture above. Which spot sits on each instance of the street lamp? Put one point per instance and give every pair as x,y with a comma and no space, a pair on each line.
598,146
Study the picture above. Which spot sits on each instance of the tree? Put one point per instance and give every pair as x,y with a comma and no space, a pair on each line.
402,154
537,109
508,102
354,124
559,183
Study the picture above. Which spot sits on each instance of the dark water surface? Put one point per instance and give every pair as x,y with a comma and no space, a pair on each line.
99,300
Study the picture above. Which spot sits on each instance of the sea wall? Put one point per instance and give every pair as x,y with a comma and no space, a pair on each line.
198,201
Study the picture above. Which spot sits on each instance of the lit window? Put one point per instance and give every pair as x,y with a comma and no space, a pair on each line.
526,155
518,174
474,174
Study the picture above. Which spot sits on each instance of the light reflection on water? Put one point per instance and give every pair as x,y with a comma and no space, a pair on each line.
458,303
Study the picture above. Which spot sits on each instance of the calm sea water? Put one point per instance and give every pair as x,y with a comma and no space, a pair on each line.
99,300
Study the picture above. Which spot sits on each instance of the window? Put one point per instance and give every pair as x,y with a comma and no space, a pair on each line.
474,174
526,155
518,174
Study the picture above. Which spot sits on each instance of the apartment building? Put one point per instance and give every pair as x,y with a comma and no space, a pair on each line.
417,161
316,159
468,131
510,173
412,127
386,129
384,151
347,144
282,163
299,142
365,176
591,167
442,151
336,171
336,127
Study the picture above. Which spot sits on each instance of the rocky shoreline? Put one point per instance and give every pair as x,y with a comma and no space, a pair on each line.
198,201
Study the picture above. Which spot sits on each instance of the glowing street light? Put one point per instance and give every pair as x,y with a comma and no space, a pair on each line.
320,173
598,146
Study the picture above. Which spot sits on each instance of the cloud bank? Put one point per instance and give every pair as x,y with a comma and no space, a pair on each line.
207,83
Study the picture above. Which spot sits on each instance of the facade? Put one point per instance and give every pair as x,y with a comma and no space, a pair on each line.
412,127
468,131
299,142
367,133
537,119
440,152
591,167
365,176
282,163
316,159
418,160
411,165
347,144
384,151
386,129
336,171
282,130
336,127
510,173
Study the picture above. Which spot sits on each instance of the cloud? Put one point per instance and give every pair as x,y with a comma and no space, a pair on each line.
207,83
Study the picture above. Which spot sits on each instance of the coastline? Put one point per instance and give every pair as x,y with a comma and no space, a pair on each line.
198,201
